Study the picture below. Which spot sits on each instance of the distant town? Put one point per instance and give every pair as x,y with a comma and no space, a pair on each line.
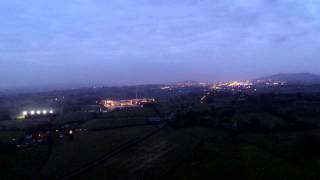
106,105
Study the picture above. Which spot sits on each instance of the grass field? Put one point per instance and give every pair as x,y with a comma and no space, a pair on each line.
114,122
134,116
23,164
204,153
22,124
86,147
131,112
151,159
7,136
237,161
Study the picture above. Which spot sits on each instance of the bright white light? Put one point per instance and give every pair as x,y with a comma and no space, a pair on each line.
44,112
32,112
70,132
24,113
38,112
51,111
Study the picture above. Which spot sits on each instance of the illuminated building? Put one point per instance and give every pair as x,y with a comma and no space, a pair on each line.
129,103
165,87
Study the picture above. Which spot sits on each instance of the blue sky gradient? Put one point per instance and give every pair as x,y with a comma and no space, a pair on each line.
116,42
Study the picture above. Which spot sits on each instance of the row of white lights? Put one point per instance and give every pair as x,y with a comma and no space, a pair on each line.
38,112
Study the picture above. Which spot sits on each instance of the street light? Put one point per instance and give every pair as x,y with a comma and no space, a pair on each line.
24,113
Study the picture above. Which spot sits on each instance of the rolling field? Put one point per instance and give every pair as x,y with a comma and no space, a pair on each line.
86,147
23,163
204,153
151,159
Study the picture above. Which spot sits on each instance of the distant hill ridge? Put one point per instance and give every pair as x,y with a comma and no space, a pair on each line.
295,78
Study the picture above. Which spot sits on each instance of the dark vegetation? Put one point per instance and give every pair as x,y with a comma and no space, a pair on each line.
268,134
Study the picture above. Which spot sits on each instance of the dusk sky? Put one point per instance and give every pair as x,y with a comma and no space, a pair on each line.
115,42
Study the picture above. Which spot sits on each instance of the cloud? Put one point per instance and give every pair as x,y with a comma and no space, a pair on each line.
190,33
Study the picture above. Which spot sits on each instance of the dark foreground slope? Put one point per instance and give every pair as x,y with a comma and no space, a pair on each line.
231,135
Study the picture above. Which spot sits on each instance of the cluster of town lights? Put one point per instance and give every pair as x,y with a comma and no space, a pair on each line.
38,112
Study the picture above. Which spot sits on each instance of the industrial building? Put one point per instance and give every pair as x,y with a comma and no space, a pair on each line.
128,103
